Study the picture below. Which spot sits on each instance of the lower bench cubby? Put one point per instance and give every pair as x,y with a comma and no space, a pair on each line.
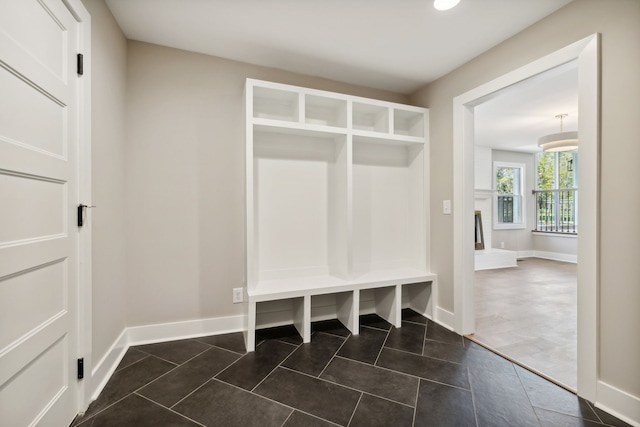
387,301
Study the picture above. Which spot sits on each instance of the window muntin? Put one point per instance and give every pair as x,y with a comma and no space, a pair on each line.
509,201
557,192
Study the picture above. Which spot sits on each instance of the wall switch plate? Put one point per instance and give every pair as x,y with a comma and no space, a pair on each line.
238,295
446,207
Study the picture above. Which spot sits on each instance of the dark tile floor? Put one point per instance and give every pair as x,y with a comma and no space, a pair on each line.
418,375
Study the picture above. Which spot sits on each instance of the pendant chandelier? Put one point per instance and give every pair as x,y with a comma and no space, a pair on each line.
563,141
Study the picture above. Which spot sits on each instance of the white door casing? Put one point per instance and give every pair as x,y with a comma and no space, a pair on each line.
41,130
586,51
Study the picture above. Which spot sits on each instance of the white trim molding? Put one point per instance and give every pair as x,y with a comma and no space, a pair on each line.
587,53
444,318
85,287
138,335
553,256
104,369
619,403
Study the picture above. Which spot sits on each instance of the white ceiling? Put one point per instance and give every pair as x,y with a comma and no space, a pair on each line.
395,45
516,117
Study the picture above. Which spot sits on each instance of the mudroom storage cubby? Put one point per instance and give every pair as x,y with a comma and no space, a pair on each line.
337,208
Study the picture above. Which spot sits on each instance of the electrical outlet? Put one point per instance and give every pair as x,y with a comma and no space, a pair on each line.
238,295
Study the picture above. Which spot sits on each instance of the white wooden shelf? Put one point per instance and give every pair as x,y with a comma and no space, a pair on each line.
337,208
293,287
386,138
275,126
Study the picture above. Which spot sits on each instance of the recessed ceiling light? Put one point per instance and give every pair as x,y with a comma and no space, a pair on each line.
445,4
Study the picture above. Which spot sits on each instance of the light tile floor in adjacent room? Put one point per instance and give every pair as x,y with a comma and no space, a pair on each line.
528,313
418,375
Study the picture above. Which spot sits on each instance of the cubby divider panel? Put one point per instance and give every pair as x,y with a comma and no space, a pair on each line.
383,301
286,311
419,298
347,309
388,304
339,305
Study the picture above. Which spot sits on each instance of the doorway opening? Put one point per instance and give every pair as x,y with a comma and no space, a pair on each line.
524,297
586,52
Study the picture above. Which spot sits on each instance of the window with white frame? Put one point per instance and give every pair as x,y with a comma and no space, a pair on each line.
557,192
508,182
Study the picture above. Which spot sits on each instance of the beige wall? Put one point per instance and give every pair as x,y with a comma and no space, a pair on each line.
565,245
185,180
108,73
617,21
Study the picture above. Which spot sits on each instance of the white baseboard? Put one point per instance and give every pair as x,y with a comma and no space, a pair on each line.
525,254
137,335
104,369
554,256
489,259
445,318
618,403
149,334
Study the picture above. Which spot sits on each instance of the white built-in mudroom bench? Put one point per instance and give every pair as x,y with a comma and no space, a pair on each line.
337,220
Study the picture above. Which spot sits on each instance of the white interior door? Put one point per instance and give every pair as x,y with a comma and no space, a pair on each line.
38,198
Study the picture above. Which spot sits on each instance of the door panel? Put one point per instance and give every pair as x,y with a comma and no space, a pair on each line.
21,310
48,371
48,18
34,208
39,194
24,105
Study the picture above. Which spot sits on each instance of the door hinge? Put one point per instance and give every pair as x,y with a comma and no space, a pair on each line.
81,210
80,64
81,368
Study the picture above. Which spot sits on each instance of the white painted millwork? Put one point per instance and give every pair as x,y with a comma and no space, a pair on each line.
40,131
336,205
586,52
492,258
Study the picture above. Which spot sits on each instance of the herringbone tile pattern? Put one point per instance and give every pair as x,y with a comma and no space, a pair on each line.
418,375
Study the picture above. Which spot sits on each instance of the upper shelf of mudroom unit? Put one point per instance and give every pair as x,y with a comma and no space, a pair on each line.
377,138
296,128
276,104
288,105
290,109
409,123
325,111
370,117
293,287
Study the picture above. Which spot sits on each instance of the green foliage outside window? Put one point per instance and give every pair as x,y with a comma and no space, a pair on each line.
505,180
509,189
557,183
566,170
